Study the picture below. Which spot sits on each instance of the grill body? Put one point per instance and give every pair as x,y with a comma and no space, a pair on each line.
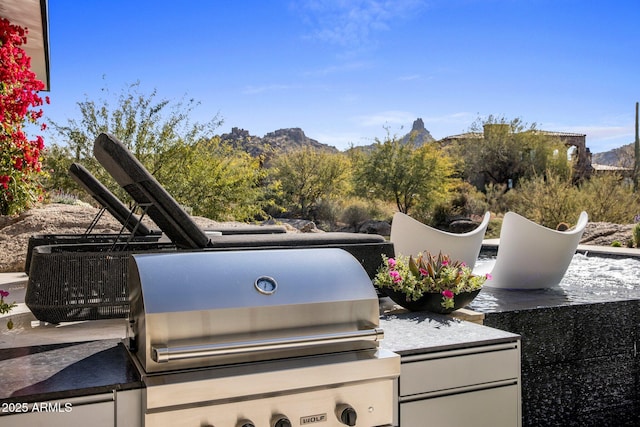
221,338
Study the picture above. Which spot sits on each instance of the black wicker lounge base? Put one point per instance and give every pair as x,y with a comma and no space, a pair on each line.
89,282
82,281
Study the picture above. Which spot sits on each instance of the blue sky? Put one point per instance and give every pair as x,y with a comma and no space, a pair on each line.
344,71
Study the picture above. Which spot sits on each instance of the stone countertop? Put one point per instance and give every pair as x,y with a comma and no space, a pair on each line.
59,371
408,333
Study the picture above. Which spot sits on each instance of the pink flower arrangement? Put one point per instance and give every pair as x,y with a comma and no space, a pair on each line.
415,277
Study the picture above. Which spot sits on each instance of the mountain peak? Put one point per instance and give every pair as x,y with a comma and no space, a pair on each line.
418,135
418,125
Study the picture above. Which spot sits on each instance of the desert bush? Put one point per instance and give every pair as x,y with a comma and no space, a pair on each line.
59,196
608,198
493,229
355,213
356,210
413,178
547,200
636,235
326,211
495,197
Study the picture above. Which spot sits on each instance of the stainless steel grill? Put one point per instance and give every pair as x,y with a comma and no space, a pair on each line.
264,338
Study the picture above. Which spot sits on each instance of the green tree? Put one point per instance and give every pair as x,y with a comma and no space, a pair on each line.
57,159
308,176
400,173
503,152
149,127
215,180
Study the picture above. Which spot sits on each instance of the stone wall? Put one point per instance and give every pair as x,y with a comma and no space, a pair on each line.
580,364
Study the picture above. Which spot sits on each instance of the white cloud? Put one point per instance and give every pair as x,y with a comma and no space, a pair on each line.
354,22
603,132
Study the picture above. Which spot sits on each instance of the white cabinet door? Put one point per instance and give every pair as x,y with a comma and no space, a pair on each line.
495,407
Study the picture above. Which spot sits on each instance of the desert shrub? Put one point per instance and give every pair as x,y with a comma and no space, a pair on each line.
464,200
62,197
547,200
355,214
608,198
494,195
468,200
356,210
326,211
493,229
439,217
616,244
636,235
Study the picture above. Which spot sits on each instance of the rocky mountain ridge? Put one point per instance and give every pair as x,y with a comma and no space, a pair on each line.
621,156
289,139
294,138
279,140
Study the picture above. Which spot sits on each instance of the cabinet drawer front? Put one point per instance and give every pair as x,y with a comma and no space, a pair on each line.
495,407
440,372
94,415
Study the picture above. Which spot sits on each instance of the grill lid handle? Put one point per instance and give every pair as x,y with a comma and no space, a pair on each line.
165,354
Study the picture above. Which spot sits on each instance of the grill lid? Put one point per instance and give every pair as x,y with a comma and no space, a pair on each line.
195,309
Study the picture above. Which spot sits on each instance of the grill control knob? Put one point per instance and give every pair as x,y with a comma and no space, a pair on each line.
347,415
245,423
280,421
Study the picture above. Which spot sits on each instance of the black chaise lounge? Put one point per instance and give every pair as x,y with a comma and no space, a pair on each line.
126,217
132,227
185,233
135,229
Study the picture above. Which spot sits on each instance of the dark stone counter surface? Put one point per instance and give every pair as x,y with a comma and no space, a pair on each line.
59,371
408,333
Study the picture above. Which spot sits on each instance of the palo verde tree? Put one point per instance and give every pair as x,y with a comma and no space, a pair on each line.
307,177
20,157
215,180
400,173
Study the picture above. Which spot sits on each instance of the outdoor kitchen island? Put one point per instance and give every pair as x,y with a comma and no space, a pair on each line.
451,370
